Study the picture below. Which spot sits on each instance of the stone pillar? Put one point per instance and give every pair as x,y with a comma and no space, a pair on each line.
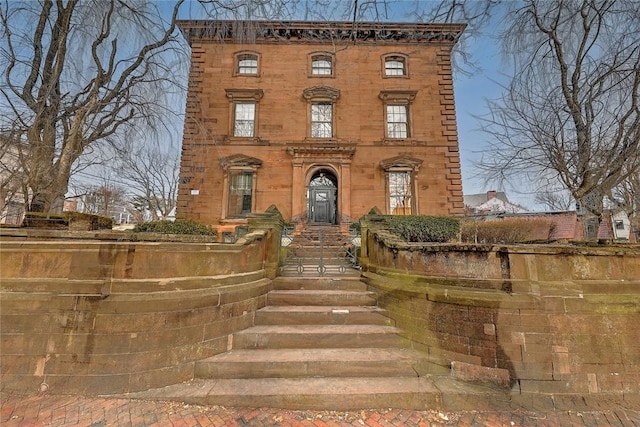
297,190
345,195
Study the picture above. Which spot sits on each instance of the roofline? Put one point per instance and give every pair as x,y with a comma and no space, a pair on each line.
262,32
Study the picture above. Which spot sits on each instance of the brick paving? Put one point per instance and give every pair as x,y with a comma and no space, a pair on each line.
49,410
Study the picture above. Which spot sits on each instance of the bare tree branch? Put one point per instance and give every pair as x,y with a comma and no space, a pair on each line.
571,112
78,74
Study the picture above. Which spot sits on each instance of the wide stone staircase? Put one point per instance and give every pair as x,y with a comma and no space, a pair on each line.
322,343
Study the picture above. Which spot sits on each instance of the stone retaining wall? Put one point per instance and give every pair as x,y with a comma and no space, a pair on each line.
111,317
548,319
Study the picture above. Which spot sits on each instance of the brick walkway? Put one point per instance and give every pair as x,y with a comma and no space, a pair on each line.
50,410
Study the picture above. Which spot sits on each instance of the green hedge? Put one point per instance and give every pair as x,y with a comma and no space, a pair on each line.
175,227
421,228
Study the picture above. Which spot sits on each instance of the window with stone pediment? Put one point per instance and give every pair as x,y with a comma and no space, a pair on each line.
321,101
239,191
244,111
400,184
397,113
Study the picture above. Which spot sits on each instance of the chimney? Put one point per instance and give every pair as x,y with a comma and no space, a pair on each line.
491,195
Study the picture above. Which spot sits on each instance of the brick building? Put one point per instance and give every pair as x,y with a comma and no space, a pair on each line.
324,120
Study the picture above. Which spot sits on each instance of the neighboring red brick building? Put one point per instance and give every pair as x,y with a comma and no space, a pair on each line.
323,120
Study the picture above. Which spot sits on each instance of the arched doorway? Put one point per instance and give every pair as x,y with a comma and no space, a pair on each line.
322,196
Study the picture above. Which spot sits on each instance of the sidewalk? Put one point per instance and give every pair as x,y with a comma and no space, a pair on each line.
47,410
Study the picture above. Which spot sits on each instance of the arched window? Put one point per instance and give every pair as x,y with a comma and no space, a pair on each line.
395,65
322,65
247,64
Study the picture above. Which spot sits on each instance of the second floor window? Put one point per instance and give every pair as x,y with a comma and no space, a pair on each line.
244,120
322,120
248,64
397,121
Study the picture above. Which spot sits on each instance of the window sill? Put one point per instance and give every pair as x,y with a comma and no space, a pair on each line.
403,76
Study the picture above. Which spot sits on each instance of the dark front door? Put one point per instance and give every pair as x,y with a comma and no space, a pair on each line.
322,205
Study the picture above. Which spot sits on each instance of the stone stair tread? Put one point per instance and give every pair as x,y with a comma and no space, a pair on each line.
317,354
320,309
331,393
319,329
319,292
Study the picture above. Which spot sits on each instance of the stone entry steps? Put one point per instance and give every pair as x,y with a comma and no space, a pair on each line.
309,362
337,394
317,350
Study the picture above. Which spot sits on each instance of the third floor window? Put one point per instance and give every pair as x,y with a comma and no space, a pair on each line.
395,66
247,64
321,65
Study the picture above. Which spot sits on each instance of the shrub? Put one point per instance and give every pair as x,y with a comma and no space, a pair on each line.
509,230
175,227
420,228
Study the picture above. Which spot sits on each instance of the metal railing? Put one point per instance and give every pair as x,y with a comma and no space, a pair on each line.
320,252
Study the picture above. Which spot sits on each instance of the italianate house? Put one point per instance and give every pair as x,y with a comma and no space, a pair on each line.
324,120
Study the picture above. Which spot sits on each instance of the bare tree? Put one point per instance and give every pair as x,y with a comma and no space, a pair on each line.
572,110
626,196
152,173
77,73
12,193
555,200
104,199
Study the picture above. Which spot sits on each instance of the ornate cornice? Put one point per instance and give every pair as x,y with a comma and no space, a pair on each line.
319,32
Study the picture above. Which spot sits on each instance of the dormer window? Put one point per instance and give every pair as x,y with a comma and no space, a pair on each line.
322,65
247,64
395,65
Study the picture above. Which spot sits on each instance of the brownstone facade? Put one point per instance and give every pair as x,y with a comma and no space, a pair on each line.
324,120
